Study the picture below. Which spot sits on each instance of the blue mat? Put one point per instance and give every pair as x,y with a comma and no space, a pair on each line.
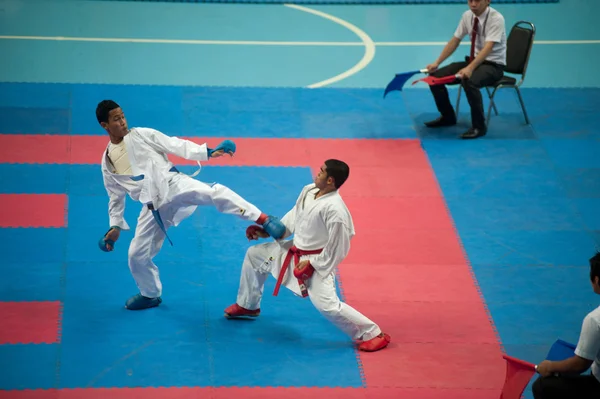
346,1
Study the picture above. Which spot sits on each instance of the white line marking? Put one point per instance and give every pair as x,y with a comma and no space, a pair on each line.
179,41
258,42
366,40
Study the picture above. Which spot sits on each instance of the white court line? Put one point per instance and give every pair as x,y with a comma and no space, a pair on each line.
366,41
258,42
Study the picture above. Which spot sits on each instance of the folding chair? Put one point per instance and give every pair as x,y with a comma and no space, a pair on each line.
518,50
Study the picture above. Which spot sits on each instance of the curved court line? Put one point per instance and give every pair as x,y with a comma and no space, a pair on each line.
367,42
179,41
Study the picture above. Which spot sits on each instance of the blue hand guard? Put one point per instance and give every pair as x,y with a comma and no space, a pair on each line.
274,227
102,242
227,146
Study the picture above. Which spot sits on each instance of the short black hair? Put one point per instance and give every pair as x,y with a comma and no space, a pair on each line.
337,169
103,108
595,266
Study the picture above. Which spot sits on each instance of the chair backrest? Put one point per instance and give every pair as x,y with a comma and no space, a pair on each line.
518,47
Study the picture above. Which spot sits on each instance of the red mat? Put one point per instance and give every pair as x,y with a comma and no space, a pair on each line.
29,322
251,151
33,210
406,269
254,393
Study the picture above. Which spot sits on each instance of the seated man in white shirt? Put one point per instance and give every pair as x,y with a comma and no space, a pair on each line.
484,66
564,379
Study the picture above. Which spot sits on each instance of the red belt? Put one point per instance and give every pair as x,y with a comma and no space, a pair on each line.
296,253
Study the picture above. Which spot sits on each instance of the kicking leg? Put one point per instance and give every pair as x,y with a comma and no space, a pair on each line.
146,244
193,192
324,297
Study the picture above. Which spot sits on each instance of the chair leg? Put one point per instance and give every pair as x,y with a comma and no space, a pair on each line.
458,100
493,103
522,105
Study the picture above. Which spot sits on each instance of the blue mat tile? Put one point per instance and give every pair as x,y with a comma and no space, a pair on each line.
513,213
502,127
560,100
289,332
31,366
535,284
33,179
18,245
468,154
140,104
581,182
501,182
87,180
35,95
15,120
136,363
513,247
164,346
574,153
538,324
33,281
589,209
568,125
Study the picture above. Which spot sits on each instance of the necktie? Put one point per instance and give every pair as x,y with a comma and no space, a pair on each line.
473,38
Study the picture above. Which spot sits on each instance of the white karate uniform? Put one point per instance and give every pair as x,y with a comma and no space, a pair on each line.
176,196
324,223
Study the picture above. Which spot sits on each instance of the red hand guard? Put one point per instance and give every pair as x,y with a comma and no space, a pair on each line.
252,229
305,272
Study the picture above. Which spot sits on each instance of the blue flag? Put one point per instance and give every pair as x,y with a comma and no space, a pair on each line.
399,80
561,350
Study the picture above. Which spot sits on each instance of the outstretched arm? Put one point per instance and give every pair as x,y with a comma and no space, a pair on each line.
182,148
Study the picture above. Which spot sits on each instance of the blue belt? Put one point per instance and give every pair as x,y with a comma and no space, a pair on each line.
155,212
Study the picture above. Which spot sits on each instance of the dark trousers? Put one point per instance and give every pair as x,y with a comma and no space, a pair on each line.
485,74
566,387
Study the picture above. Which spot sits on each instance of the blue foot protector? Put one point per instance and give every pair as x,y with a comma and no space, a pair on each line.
139,302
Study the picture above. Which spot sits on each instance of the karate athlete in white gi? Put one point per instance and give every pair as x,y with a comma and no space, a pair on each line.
322,227
135,162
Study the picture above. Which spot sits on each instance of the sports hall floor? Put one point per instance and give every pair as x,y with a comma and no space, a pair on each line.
465,250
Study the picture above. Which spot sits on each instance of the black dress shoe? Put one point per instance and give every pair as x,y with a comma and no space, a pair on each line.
441,122
473,133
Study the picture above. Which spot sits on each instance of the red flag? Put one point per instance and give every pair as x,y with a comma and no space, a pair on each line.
431,81
518,375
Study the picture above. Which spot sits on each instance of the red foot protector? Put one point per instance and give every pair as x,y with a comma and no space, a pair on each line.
33,210
29,322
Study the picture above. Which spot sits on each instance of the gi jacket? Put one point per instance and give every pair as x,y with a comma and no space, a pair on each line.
148,151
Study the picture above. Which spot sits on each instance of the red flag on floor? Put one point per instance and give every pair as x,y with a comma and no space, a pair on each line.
518,375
